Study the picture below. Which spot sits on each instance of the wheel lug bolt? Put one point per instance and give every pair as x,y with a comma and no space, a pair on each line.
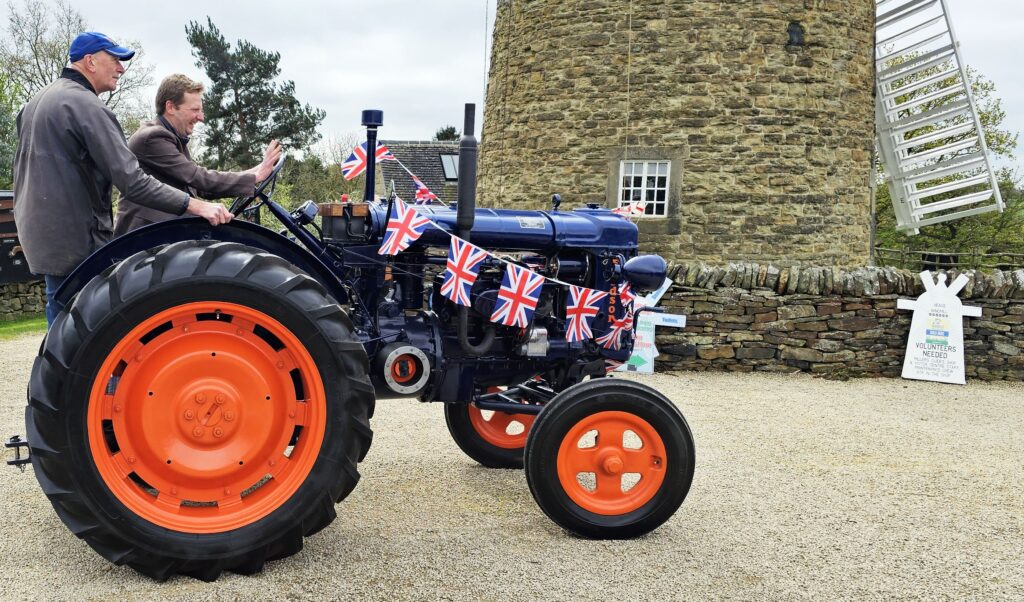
229,416
272,462
291,414
227,491
189,415
131,459
200,398
117,407
219,399
239,332
280,365
197,432
174,491
184,328
217,432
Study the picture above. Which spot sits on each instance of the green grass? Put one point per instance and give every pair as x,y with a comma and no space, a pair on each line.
32,325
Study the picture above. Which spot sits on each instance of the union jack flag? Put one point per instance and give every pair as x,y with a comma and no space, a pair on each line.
613,338
626,296
517,297
634,208
404,227
581,310
356,162
464,262
423,194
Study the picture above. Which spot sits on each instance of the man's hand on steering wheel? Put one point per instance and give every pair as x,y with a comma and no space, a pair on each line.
270,156
241,203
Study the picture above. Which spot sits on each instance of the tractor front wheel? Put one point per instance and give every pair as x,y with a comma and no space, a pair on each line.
494,439
200,407
609,459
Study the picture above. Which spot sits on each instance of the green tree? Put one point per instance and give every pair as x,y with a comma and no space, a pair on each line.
986,233
35,50
8,133
446,133
245,108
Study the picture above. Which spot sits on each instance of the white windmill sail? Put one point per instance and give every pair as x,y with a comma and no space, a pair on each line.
929,132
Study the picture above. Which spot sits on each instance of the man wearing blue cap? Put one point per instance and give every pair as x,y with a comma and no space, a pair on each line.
71,151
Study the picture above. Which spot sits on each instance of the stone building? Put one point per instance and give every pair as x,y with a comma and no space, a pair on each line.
748,126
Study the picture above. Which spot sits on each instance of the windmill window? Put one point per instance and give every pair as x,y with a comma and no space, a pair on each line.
645,181
450,164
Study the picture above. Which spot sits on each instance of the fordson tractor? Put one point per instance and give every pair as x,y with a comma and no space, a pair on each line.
205,398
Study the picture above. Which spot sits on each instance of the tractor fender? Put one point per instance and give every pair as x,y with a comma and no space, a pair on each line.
194,228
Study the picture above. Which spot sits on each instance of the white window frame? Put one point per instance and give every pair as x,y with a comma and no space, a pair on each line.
653,177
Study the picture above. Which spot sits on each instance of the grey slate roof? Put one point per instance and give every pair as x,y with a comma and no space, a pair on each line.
423,158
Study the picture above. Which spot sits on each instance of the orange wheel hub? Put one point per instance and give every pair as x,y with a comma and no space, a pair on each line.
611,463
206,417
495,429
405,369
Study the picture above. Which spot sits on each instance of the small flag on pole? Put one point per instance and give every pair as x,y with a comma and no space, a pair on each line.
356,162
464,262
423,194
517,297
404,227
582,307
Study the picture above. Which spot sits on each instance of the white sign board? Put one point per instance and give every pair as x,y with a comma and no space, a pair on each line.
935,344
644,351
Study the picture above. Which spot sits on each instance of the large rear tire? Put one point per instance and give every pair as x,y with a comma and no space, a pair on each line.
609,459
200,407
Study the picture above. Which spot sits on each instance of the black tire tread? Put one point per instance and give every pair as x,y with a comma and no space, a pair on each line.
101,298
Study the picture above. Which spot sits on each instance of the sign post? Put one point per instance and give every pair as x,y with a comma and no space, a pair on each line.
935,344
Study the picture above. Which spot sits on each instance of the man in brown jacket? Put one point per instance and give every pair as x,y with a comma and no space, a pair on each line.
161,146
71,151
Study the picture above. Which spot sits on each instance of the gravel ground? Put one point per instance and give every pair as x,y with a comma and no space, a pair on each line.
805,488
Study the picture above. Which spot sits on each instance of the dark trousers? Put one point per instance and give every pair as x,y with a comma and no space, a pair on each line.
52,306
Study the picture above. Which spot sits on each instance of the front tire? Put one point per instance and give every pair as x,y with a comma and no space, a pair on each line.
200,407
609,459
494,439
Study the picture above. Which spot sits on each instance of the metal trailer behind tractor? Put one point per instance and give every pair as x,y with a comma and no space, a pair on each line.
203,402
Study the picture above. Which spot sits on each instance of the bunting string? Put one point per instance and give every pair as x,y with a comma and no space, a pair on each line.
520,289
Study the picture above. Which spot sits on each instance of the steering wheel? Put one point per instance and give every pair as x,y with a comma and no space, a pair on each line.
239,204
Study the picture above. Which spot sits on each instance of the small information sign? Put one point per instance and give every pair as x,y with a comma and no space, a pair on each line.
935,344
644,351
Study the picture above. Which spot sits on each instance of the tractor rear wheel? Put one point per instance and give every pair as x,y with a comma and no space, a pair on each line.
609,459
200,407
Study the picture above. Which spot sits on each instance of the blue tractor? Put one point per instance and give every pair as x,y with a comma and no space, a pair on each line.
204,400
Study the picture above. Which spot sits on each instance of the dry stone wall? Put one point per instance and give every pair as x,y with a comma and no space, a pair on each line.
770,142
756,317
21,299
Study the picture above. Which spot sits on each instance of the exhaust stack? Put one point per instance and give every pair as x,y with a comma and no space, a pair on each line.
467,174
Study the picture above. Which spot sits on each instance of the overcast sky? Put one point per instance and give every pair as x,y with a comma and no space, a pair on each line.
420,60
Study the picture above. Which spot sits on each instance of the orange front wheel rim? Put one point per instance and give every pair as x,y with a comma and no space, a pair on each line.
206,417
611,463
499,429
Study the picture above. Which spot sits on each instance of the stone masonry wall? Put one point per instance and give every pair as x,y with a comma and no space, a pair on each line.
755,317
770,143
21,299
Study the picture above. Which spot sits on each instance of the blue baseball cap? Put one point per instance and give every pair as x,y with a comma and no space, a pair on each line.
91,42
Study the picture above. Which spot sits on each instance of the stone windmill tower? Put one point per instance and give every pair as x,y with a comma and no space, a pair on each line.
746,126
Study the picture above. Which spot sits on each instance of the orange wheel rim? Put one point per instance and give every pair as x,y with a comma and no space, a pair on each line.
206,417
611,463
495,429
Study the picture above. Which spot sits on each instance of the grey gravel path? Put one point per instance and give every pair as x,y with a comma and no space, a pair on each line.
805,489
